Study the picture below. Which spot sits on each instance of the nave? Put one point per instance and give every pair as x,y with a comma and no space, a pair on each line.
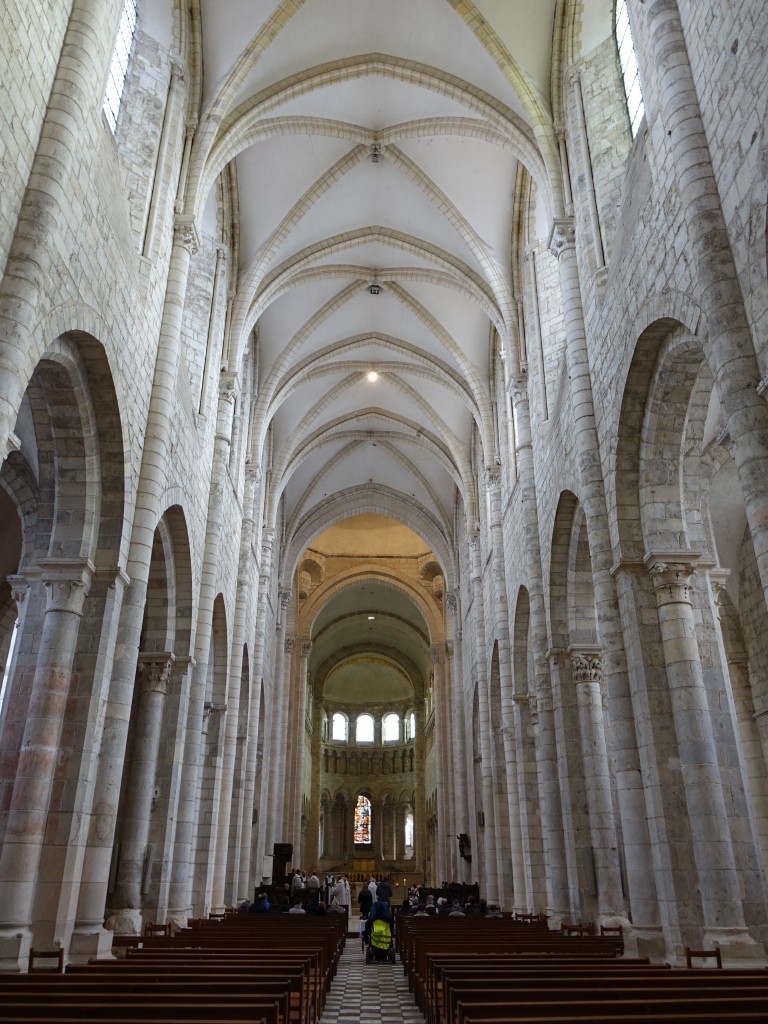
368,992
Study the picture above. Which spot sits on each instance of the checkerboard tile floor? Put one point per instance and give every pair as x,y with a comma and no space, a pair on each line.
369,993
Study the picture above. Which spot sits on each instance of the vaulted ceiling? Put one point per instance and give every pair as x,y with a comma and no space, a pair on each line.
376,149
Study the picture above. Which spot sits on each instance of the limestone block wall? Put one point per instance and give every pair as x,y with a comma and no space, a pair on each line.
732,86
31,35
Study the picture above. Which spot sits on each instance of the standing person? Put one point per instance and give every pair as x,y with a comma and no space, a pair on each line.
364,902
372,885
296,883
384,890
346,894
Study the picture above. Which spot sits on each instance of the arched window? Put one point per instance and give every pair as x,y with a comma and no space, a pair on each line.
629,69
364,729
390,728
410,726
363,821
339,727
119,65
409,831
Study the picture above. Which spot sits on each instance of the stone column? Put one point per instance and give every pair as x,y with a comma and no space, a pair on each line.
170,774
253,855
718,880
180,895
624,744
552,878
228,845
152,686
445,777
528,866
551,816
753,758
453,818
274,756
587,672
67,582
570,782
491,880
297,747
501,630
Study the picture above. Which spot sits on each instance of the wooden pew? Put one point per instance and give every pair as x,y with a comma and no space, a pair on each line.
723,1009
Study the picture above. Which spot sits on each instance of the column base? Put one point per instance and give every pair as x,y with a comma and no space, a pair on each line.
178,918
649,942
125,922
15,944
90,941
737,947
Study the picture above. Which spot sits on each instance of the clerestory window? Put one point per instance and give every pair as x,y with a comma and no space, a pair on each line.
630,72
339,728
118,68
364,729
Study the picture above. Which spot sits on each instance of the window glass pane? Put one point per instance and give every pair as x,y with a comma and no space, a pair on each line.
629,69
409,830
119,65
363,820
364,729
339,727
390,729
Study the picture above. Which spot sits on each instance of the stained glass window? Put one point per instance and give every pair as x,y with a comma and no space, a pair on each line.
629,69
363,820
119,66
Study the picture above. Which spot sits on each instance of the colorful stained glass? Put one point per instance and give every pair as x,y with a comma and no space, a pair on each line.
363,820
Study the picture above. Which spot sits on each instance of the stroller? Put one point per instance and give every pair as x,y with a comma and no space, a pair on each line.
379,947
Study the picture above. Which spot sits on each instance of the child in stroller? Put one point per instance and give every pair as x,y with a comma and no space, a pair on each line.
377,936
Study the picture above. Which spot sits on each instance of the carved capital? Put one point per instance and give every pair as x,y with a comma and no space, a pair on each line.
213,709
155,671
672,582
67,582
306,647
434,654
19,588
285,598
186,234
449,648
562,237
587,666
289,644
450,601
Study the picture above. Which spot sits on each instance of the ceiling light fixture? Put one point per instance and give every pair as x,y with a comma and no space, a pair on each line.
375,289
371,617
373,376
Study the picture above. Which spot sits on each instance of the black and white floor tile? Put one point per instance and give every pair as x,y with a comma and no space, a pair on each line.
369,993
